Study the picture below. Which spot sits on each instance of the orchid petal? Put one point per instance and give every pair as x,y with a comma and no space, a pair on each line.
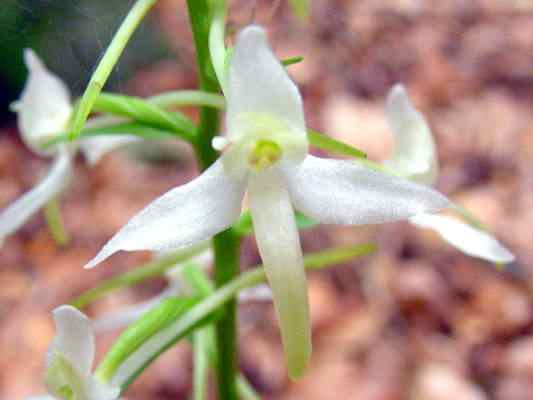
344,192
16,214
279,245
258,84
466,238
414,151
74,338
183,216
44,107
95,147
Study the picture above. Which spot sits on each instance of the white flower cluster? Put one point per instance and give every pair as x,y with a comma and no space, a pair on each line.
265,154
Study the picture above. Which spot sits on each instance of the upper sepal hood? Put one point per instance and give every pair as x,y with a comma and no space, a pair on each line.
414,155
70,358
44,107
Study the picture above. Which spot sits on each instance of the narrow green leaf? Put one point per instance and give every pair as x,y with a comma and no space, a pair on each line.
124,128
324,142
181,98
141,110
204,287
200,363
108,61
155,320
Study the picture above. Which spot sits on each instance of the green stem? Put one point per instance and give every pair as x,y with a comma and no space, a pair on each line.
226,244
110,58
54,220
209,117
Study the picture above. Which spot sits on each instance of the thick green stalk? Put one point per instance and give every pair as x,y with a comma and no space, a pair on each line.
209,118
226,244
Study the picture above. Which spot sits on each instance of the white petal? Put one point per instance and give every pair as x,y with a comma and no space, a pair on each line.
414,149
95,147
181,217
344,192
279,244
466,238
44,107
259,84
15,215
74,338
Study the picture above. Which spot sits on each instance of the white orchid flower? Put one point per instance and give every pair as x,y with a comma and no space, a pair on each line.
70,358
267,156
415,158
44,110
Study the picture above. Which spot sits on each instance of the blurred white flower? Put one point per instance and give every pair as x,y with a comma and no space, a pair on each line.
415,158
266,155
69,361
44,110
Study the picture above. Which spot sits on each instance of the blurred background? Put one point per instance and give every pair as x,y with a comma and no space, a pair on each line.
416,321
